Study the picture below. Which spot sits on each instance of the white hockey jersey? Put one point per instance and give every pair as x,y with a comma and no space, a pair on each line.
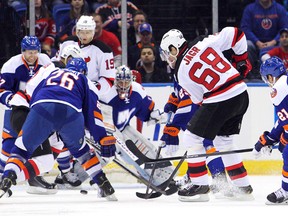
99,59
206,74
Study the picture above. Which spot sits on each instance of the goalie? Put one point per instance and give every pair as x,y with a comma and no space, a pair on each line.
128,99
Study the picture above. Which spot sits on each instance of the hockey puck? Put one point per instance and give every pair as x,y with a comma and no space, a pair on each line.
84,192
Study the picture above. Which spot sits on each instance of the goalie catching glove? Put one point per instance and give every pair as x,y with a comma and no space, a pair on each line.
157,116
242,64
171,139
108,147
264,145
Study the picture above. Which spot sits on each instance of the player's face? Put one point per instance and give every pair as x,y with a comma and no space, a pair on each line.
172,57
123,87
30,56
85,36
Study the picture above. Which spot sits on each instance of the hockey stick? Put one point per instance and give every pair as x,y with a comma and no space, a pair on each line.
172,187
159,189
157,156
140,178
152,173
140,155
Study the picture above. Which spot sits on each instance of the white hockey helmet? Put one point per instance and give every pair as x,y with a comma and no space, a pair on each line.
71,50
86,23
174,38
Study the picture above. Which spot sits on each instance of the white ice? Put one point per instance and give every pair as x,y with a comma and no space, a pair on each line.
71,202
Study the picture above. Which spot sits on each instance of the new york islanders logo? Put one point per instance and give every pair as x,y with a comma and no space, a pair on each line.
266,23
273,93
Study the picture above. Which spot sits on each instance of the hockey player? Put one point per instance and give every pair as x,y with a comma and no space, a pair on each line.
273,73
42,159
128,99
180,104
14,75
97,55
100,63
211,80
69,52
63,100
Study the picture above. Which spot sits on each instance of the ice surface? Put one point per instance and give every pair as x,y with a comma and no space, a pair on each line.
71,202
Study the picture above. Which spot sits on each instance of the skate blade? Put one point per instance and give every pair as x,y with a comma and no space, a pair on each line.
111,197
196,198
241,197
271,203
68,187
40,190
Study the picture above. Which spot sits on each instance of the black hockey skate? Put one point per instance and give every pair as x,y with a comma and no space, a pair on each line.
6,183
194,193
278,197
104,188
38,185
69,179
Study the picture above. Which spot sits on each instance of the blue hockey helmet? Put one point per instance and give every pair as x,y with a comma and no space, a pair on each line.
123,81
273,66
77,64
30,43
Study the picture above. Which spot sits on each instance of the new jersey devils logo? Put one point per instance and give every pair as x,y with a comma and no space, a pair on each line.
87,59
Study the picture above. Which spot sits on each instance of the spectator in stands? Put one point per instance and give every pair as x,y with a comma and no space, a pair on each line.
150,72
13,3
261,22
139,17
111,14
11,38
67,26
94,4
146,38
280,51
108,38
45,28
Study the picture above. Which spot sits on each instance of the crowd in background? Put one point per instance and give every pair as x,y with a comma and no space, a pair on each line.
261,20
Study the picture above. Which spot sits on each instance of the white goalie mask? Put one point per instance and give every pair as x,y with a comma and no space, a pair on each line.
174,38
123,81
71,51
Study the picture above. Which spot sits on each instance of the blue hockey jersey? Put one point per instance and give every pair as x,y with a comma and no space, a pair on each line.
138,104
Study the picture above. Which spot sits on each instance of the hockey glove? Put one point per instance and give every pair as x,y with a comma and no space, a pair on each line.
242,64
172,103
264,145
283,142
108,147
171,139
157,116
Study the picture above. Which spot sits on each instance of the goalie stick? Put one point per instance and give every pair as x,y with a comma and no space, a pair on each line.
146,159
159,189
147,194
172,187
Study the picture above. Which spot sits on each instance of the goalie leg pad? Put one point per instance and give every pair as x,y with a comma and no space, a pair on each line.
163,169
